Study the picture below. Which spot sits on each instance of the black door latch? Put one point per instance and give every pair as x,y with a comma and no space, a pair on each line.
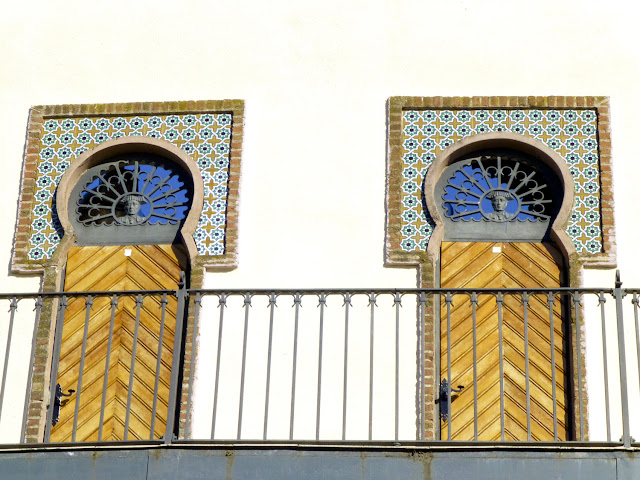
444,393
57,403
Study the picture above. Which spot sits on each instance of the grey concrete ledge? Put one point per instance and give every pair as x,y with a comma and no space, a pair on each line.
321,461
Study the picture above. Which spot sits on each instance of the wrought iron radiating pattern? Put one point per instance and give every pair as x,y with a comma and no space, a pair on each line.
132,193
496,189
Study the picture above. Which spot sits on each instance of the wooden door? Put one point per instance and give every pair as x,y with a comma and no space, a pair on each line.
503,265
142,267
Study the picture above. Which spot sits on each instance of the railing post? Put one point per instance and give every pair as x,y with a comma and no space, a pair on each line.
247,305
27,394
297,300
422,302
55,358
12,309
172,411
576,308
448,298
500,303
197,303
619,293
605,360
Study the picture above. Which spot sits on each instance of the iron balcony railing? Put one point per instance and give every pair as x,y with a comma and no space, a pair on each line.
347,365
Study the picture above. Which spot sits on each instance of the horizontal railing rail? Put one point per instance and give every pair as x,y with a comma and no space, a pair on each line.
345,365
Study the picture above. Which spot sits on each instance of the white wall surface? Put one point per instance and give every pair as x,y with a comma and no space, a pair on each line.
315,77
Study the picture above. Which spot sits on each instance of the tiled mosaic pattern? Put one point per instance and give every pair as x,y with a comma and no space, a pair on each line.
571,133
206,137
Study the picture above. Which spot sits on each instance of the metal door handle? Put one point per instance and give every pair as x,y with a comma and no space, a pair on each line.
57,403
444,394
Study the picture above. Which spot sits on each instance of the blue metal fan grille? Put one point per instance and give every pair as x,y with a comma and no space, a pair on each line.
472,193
133,193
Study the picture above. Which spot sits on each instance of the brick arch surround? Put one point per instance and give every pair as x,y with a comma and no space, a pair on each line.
206,133
126,145
518,143
423,129
528,261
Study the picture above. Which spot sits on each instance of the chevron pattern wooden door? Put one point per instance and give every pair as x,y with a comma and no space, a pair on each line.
139,267
503,265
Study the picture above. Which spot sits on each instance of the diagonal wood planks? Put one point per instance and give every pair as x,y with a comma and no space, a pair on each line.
147,267
515,265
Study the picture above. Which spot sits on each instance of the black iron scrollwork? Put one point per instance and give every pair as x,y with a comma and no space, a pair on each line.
496,189
130,193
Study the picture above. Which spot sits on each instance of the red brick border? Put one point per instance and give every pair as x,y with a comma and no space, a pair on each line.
20,262
394,256
427,267
51,268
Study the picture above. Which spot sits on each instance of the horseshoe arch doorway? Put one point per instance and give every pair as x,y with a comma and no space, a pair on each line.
129,209
499,206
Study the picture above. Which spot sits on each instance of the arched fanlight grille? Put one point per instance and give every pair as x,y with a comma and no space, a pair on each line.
496,189
134,198
498,195
133,193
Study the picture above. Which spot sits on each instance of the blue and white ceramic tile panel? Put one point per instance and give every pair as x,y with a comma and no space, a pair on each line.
206,137
571,133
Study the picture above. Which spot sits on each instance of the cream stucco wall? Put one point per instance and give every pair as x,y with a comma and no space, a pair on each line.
315,77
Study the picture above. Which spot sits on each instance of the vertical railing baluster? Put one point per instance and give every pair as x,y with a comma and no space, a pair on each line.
576,305
297,300
622,357
172,410
474,308
397,302
247,305
422,299
346,305
527,380
499,302
322,303
272,305
372,305
87,306
156,385
62,308
192,362
12,309
132,367
437,363
601,301
222,303
635,315
552,337
34,338
448,299
618,293
105,382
